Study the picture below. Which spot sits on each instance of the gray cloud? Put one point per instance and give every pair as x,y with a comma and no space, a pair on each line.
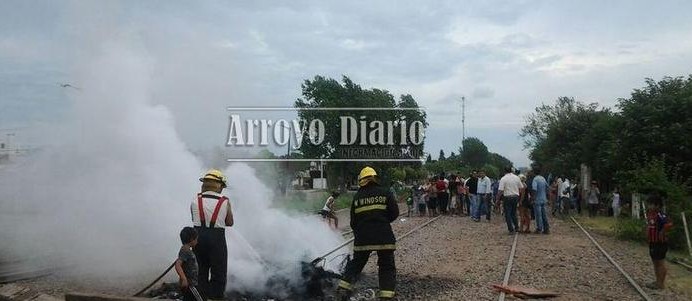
506,57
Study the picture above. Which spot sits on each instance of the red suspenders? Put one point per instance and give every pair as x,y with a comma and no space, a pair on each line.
216,211
214,215
200,208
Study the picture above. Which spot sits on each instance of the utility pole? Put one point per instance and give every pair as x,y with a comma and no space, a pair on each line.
463,121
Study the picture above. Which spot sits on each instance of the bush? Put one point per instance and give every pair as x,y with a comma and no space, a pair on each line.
652,178
630,229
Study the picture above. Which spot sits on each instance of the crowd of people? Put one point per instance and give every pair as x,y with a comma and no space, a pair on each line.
479,196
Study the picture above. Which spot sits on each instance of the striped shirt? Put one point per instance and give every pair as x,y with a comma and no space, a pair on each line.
657,226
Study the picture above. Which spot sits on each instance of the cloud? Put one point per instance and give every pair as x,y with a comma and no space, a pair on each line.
483,92
507,57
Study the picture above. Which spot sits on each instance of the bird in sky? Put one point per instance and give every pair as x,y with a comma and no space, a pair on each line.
64,85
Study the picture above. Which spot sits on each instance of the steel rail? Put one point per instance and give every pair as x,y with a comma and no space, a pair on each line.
634,284
508,270
344,233
346,243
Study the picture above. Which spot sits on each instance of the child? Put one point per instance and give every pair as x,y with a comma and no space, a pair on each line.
186,265
658,225
328,211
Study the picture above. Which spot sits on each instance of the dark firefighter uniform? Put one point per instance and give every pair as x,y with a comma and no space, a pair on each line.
373,209
209,210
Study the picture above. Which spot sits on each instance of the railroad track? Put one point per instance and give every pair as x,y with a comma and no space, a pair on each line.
349,232
349,241
633,284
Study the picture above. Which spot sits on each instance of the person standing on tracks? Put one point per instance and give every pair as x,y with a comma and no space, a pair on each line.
461,196
373,209
472,189
453,183
509,188
211,213
524,207
564,192
658,226
539,194
432,197
442,196
485,195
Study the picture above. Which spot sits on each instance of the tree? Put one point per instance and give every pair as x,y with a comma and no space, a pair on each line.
321,92
555,134
645,145
498,161
428,159
474,152
442,156
655,124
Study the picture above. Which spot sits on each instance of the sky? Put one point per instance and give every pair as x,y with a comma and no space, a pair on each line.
504,57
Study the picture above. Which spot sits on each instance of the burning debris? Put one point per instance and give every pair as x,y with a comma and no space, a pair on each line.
315,283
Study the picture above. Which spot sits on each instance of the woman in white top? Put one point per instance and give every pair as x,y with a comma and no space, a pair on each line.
616,203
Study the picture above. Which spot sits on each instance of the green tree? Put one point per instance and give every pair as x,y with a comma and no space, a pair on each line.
321,92
474,152
655,123
555,134
442,156
498,161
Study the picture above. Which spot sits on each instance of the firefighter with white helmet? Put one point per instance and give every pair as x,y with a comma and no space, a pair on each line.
373,209
211,213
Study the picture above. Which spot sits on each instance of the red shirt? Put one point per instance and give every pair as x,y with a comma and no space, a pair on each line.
657,226
441,185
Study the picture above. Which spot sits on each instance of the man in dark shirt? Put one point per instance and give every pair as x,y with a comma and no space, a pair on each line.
472,188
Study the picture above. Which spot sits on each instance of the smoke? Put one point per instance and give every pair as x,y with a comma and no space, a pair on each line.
266,242
110,191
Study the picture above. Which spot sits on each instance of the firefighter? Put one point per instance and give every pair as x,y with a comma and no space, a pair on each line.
211,213
374,207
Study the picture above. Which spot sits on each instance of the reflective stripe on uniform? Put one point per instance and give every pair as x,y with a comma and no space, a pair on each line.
370,207
196,293
385,294
345,285
374,247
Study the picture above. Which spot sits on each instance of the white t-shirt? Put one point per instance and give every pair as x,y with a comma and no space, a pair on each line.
616,200
510,185
326,204
208,205
564,187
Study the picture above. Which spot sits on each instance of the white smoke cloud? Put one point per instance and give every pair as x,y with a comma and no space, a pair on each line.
111,190
267,242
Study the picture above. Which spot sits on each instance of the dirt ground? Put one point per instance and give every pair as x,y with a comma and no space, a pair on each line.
455,258
458,259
